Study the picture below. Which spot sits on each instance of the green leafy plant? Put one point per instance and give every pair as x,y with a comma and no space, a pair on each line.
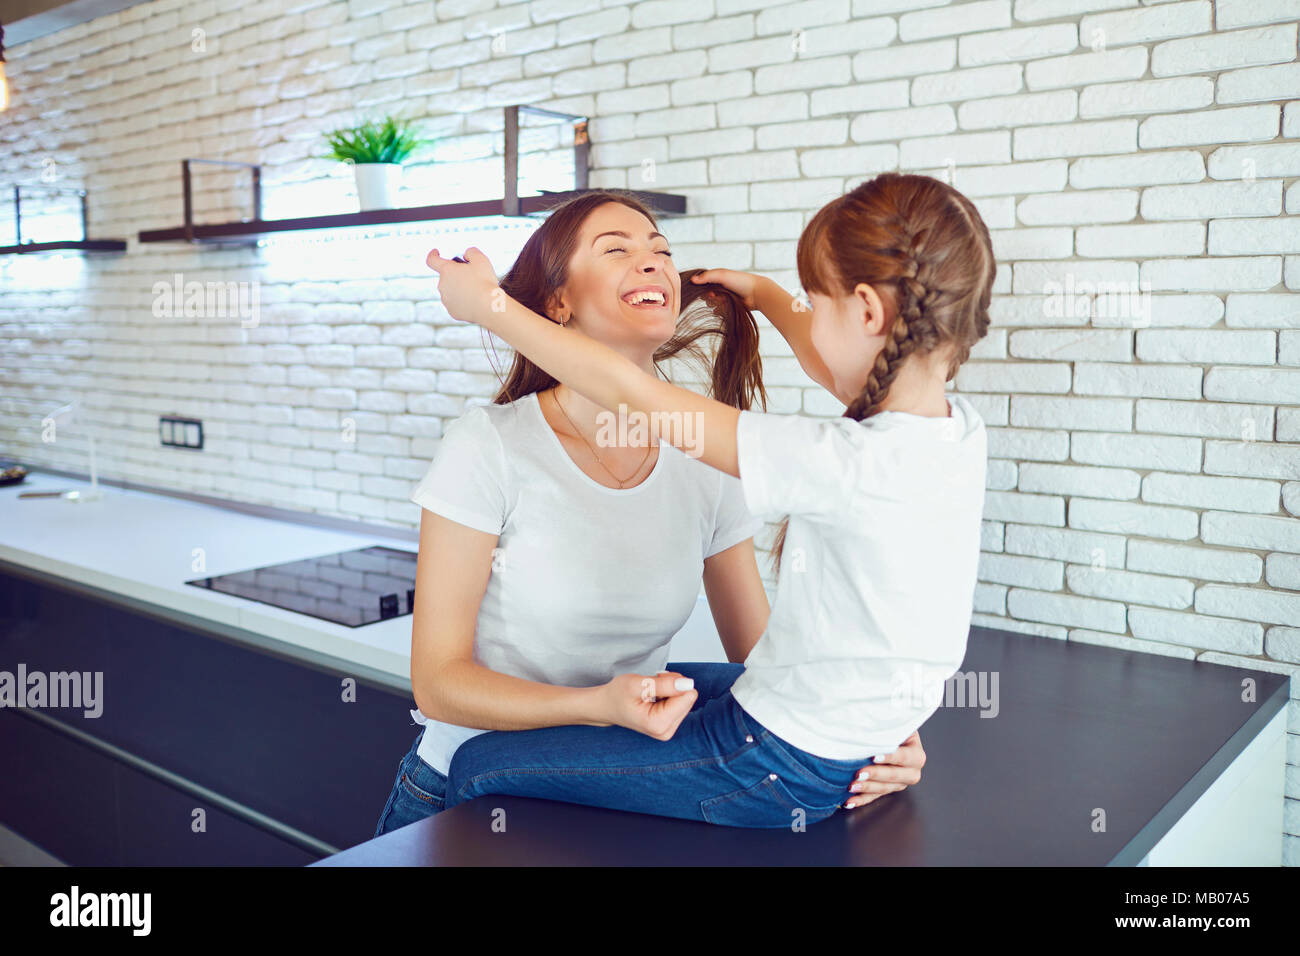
390,140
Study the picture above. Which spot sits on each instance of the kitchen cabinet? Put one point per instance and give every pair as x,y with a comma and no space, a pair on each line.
295,767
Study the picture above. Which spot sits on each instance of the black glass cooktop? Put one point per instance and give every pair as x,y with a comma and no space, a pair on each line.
349,587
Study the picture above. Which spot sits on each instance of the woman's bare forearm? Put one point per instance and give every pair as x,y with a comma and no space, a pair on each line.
468,694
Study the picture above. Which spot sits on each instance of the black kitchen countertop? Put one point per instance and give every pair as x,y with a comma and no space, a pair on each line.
1079,728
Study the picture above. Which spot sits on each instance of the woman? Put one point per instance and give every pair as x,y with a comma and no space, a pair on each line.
559,553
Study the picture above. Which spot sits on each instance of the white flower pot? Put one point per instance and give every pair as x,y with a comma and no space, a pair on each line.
378,184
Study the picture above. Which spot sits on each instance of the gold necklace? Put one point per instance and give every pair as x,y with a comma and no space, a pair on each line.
621,481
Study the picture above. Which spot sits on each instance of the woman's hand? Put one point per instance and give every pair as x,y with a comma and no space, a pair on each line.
743,284
649,705
896,771
469,289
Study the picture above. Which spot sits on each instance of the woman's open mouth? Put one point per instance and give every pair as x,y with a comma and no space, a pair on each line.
648,298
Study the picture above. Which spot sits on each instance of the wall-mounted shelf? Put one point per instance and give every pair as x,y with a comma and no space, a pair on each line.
61,245
243,232
247,232
75,245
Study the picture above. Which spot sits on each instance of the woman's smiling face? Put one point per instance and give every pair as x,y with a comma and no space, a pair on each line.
618,253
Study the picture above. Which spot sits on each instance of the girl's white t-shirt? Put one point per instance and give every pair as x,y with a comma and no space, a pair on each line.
877,578
587,582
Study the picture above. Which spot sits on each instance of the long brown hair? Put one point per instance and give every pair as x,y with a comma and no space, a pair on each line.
924,245
735,371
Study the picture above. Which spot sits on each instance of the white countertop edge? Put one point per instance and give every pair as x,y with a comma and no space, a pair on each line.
267,630
379,651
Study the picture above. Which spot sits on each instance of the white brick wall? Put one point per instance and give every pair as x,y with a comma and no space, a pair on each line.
1144,481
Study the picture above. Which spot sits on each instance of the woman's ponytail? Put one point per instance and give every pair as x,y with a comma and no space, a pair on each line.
735,369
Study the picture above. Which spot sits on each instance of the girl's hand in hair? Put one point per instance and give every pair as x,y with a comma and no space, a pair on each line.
469,290
743,284
649,705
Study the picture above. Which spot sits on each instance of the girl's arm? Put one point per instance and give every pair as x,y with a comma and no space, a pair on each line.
451,574
792,320
736,598
701,427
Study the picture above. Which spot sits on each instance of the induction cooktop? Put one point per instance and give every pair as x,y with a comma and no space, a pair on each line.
353,588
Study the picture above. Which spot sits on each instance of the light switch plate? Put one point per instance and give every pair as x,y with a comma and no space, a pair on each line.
176,432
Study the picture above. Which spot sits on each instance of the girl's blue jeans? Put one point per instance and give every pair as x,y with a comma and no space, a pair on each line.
721,766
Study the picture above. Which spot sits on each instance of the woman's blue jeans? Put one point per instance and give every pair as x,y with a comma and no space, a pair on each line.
721,766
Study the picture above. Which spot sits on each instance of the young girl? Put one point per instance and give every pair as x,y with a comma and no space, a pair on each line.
879,554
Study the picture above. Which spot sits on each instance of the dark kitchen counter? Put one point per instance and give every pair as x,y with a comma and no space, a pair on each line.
1079,727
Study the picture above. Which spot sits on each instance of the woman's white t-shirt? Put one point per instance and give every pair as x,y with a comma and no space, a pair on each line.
587,582
877,576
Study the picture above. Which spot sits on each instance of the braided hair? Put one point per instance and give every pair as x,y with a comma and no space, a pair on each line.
925,245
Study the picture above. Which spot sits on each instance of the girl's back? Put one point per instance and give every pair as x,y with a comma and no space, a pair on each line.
877,576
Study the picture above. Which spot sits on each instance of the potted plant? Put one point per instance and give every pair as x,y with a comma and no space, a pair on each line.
376,150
